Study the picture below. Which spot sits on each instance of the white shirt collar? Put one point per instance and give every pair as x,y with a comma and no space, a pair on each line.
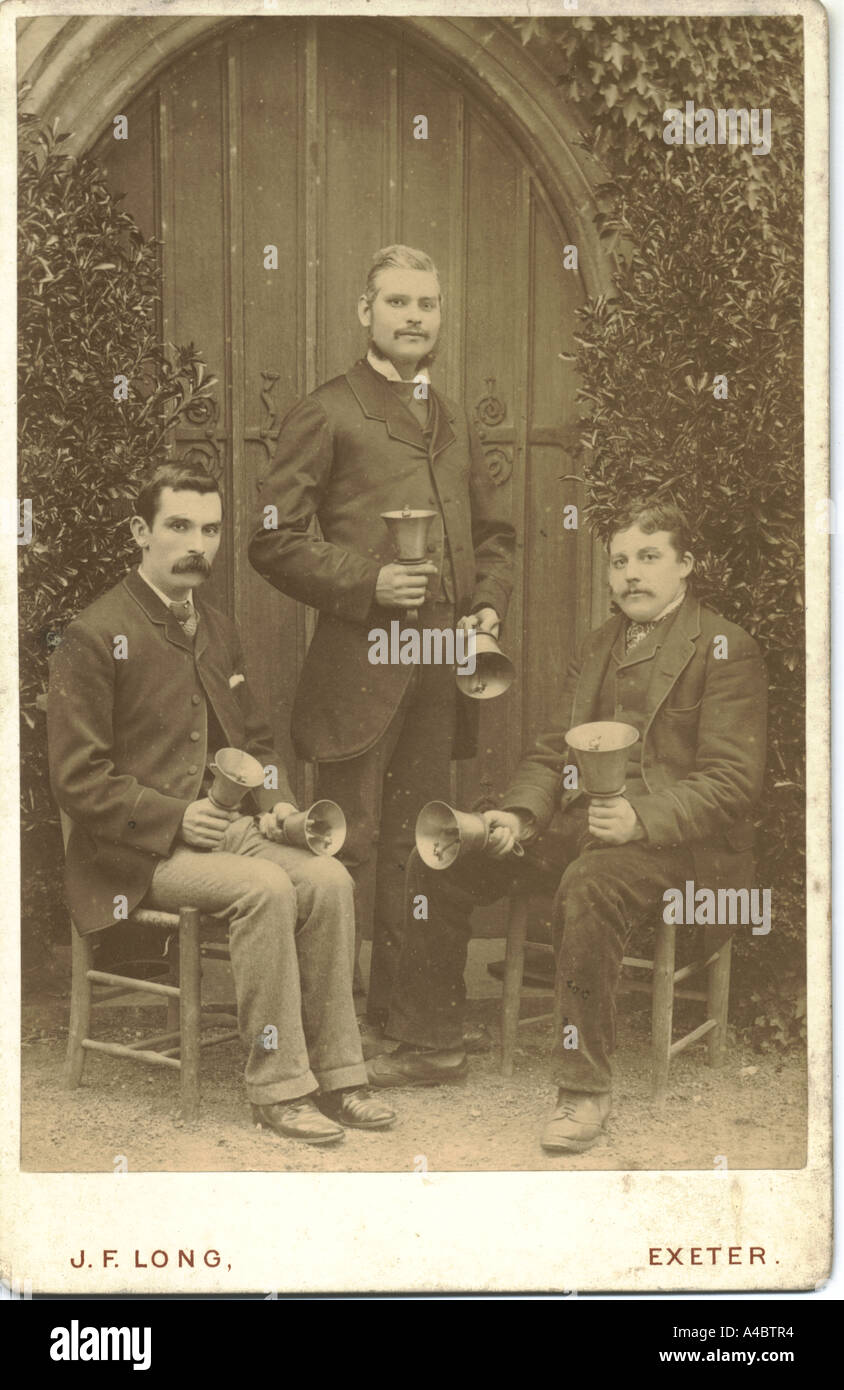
155,589
385,368
669,608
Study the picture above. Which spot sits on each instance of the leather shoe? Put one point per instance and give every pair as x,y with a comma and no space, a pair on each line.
476,1037
577,1122
416,1068
372,1040
356,1109
298,1119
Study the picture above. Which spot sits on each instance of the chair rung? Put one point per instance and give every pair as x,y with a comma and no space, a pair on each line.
148,917
154,1040
106,996
534,1018
695,966
692,1037
204,1042
635,987
645,987
104,977
157,1059
638,962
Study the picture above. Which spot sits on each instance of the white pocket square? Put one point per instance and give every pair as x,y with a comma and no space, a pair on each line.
236,680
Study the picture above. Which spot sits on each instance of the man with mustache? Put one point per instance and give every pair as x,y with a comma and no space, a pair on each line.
145,686
381,438
693,685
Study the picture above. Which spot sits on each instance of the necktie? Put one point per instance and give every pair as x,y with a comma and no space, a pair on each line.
636,633
186,615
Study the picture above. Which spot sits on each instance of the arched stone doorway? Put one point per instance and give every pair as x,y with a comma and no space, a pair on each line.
299,134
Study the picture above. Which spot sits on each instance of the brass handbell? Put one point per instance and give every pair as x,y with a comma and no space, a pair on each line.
443,834
494,672
235,773
601,750
321,829
409,533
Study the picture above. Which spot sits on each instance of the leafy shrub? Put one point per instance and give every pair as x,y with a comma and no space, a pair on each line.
706,244
88,291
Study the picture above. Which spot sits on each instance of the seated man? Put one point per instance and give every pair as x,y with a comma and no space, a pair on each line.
146,685
693,685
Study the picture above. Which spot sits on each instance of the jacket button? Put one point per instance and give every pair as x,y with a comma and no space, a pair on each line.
193,768
194,738
194,699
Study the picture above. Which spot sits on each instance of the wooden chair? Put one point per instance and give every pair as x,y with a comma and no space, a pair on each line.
662,987
180,1045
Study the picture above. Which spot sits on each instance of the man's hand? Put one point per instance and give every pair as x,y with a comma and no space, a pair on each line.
485,618
613,820
403,586
506,828
271,823
204,824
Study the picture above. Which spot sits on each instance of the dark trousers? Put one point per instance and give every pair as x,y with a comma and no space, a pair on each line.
603,893
382,792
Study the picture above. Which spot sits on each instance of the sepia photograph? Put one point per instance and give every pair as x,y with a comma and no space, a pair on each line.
423,757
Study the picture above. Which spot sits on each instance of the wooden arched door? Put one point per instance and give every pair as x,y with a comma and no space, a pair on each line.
299,134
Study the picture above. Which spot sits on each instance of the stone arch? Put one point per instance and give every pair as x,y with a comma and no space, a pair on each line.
119,56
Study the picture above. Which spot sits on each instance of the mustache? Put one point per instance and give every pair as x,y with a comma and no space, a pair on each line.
192,564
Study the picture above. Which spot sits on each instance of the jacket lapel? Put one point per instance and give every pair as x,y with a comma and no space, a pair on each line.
673,658
158,614
593,671
443,416
378,402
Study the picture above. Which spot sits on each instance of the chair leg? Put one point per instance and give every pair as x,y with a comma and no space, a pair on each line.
718,1003
81,992
190,1009
663,1008
173,1009
514,964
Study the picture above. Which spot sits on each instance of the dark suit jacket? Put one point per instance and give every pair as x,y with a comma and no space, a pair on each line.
348,452
128,738
703,747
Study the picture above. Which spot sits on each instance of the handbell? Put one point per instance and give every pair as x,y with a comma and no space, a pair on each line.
493,674
235,773
409,533
443,834
321,829
602,750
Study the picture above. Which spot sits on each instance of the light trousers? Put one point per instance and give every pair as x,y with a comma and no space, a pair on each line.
291,938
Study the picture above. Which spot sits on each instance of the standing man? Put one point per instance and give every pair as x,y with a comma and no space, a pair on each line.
146,685
376,439
693,685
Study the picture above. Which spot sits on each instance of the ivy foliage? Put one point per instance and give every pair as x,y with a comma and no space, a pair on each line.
706,248
89,287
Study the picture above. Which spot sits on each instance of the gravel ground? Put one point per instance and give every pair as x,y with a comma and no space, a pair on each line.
752,1111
